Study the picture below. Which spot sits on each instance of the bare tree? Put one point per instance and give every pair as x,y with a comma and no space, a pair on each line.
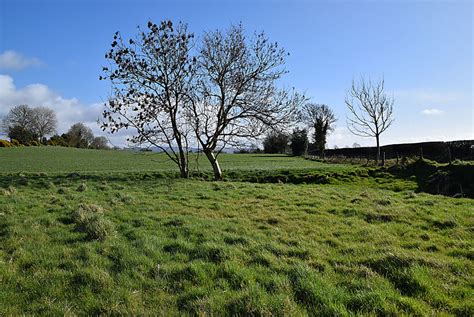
44,122
151,78
371,110
236,97
79,135
18,116
321,118
99,143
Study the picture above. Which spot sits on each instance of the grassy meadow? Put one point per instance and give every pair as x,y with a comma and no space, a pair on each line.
99,232
49,159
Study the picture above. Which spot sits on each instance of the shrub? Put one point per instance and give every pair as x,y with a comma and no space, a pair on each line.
57,140
276,142
23,135
34,143
15,142
5,143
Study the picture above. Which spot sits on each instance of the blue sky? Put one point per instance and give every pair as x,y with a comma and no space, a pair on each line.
51,53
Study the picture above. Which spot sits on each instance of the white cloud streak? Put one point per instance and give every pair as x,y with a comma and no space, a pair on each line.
423,96
16,61
432,112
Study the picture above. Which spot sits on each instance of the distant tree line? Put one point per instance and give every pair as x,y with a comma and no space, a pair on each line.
436,151
317,117
26,126
29,125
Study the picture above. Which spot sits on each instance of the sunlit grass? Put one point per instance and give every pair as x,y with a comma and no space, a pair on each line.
198,247
50,159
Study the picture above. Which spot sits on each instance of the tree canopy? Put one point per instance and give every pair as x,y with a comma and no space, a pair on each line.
174,92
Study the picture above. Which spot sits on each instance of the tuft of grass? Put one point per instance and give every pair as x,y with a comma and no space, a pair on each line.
9,191
89,218
399,271
82,187
62,191
314,293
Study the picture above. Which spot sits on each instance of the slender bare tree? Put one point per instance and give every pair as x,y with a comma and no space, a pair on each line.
370,108
44,122
236,97
152,78
321,119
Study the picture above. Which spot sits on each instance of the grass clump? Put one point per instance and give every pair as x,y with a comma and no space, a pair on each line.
62,191
82,187
400,272
9,191
315,293
89,218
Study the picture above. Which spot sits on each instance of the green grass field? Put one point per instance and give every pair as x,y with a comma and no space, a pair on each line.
77,244
50,159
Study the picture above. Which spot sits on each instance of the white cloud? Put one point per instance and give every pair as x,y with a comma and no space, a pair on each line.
14,60
68,111
432,112
423,96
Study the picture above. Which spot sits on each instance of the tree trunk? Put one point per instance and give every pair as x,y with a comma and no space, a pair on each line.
184,171
215,165
184,165
378,150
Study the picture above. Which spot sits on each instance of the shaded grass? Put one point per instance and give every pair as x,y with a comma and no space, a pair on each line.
195,247
456,179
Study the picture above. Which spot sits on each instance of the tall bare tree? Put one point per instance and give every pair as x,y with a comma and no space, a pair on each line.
18,116
321,118
152,78
370,108
236,96
44,122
